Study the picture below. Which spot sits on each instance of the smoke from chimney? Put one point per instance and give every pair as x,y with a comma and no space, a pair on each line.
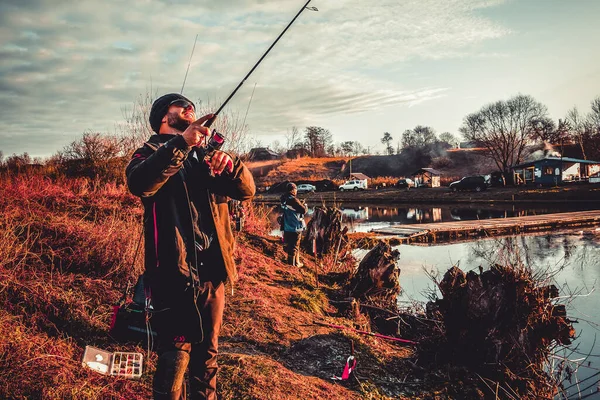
550,151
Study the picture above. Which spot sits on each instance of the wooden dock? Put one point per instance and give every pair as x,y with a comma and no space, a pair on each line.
443,231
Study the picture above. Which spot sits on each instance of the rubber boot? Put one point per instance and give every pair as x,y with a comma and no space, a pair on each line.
297,261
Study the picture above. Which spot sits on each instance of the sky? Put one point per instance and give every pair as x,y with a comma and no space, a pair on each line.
354,67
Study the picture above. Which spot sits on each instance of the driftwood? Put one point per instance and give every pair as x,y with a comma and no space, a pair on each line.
499,323
324,233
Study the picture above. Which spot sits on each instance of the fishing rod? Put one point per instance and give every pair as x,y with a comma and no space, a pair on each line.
377,335
304,7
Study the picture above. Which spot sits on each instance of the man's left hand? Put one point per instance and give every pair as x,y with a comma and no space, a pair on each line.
220,162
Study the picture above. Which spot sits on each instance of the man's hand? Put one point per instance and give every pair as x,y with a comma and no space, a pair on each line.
220,162
196,132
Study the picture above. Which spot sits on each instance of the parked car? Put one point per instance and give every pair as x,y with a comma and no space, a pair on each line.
306,188
476,183
354,185
405,183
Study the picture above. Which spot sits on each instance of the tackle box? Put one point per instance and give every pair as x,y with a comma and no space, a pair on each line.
119,363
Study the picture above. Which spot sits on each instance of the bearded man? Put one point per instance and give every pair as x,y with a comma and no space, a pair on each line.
188,242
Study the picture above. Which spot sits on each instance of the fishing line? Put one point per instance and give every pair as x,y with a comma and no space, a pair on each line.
189,62
248,108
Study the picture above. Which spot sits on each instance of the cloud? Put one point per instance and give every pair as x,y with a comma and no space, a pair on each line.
79,63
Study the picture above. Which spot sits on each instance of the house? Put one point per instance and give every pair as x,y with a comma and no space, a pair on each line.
426,177
359,176
297,152
555,170
262,154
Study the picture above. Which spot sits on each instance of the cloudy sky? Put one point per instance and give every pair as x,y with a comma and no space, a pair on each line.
357,68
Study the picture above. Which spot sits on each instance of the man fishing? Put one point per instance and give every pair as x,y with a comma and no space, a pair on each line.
293,223
188,242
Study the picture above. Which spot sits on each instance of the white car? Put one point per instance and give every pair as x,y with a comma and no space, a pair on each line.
354,185
306,188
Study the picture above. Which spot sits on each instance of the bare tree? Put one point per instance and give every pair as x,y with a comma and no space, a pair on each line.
449,138
420,136
292,138
277,147
504,128
585,130
17,161
594,116
578,128
318,140
347,147
135,130
230,123
544,129
387,141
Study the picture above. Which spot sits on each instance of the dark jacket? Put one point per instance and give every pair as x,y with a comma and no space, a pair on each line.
183,204
293,213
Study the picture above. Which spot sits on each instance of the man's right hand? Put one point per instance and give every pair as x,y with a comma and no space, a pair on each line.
196,132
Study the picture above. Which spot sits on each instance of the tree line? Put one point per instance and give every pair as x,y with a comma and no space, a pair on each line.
506,129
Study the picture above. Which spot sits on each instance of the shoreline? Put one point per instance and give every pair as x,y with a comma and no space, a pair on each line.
579,194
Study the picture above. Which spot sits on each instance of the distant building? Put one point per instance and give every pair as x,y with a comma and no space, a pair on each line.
262,153
555,170
359,176
297,153
428,177
361,179
467,145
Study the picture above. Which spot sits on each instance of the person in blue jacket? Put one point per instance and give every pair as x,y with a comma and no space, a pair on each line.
293,224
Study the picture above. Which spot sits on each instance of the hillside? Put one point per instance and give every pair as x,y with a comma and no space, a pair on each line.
66,254
452,164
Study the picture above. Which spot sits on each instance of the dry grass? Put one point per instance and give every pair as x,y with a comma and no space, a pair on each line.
66,250
66,253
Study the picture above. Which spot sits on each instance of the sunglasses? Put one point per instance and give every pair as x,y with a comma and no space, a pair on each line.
181,103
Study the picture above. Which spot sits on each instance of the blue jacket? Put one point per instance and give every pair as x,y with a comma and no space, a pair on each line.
293,214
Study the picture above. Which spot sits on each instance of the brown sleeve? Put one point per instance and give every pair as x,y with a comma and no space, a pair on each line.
238,184
152,165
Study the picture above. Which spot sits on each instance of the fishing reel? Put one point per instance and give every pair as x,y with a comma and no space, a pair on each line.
214,143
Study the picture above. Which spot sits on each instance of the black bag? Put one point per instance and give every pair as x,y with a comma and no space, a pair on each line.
281,222
130,320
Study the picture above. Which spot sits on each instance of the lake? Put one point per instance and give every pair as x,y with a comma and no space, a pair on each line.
364,218
571,258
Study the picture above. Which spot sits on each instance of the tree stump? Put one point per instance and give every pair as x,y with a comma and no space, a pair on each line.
377,275
324,233
501,323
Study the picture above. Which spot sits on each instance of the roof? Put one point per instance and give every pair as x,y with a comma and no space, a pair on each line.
429,170
559,159
359,175
263,150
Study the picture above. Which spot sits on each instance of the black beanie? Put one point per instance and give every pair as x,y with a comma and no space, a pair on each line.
160,108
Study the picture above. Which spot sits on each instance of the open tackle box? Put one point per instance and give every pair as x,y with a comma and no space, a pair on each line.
119,363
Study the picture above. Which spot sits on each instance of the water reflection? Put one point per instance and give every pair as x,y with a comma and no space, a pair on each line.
570,261
364,218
